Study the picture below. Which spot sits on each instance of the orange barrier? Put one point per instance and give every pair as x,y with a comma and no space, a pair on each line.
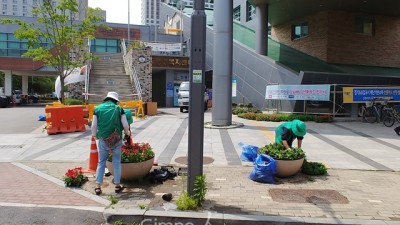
93,157
66,119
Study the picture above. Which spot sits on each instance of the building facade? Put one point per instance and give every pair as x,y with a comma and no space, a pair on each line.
310,42
24,8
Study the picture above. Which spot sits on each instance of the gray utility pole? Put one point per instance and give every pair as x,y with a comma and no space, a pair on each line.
222,63
129,21
196,96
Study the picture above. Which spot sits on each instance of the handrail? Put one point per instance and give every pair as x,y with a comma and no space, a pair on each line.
88,68
128,69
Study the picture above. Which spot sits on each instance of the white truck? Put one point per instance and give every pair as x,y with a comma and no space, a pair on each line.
183,97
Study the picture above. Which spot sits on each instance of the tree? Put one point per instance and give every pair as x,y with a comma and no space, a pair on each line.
57,39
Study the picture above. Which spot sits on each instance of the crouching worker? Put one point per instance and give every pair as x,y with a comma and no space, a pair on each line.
288,131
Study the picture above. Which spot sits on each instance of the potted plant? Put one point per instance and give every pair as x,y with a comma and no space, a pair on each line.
288,161
136,160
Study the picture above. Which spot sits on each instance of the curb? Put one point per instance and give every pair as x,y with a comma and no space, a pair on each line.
211,218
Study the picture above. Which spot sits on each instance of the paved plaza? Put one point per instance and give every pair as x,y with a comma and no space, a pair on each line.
363,161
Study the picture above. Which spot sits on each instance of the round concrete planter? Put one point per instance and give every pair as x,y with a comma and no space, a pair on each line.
130,171
287,168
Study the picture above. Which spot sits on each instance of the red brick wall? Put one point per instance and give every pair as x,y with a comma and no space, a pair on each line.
9,63
314,44
332,38
347,47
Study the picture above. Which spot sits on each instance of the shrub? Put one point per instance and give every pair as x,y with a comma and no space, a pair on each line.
323,118
186,202
313,168
72,101
200,189
278,151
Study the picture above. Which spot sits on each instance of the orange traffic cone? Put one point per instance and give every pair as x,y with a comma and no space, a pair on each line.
93,158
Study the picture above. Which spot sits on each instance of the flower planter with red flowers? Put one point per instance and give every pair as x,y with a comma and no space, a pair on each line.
136,160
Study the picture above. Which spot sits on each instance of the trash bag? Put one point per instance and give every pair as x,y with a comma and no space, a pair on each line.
42,117
249,152
264,169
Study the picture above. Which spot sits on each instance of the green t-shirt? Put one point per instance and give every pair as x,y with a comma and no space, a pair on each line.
108,119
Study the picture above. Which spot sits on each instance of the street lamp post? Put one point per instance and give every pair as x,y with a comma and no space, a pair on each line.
129,21
197,84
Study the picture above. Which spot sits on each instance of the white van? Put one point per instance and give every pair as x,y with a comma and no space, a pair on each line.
183,97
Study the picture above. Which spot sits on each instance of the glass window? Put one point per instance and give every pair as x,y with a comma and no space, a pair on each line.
236,13
299,30
12,52
14,45
24,9
4,1
112,49
3,45
3,52
111,42
100,42
4,6
365,25
15,8
101,49
11,37
3,37
24,45
25,1
251,11
15,1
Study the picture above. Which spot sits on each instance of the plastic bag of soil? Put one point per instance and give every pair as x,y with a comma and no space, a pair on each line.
264,169
249,152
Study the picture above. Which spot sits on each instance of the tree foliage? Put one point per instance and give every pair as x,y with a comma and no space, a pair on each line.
56,39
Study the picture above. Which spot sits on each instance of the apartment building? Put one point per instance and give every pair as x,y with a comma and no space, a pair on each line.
24,7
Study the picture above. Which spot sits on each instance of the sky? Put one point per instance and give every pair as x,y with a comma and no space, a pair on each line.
117,10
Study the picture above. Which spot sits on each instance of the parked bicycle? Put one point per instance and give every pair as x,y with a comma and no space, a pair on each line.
391,117
375,110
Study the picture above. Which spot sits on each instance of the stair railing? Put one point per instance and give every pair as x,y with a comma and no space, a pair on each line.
131,70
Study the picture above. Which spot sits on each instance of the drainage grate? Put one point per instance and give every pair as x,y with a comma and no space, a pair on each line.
315,196
11,146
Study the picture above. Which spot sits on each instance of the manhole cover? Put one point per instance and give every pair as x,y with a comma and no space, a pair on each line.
184,159
308,196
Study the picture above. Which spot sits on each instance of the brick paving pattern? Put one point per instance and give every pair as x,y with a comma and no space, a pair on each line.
20,186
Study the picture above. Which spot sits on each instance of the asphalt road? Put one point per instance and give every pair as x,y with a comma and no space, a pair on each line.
48,216
20,119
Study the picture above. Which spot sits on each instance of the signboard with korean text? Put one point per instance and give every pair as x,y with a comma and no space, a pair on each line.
298,92
234,87
363,94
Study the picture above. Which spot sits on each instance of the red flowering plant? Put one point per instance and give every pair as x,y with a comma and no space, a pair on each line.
134,152
74,177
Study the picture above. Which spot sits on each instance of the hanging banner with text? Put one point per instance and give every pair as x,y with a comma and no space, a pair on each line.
363,94
164,47
298,92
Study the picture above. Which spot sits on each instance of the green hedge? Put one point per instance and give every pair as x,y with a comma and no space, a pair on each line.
72,101
250,113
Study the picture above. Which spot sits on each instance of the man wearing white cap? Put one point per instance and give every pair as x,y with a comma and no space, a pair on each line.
109,120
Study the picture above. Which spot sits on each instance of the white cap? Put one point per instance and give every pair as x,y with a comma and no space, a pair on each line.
113,95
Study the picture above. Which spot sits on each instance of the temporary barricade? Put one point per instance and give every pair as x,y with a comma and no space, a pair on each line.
66,119
138,104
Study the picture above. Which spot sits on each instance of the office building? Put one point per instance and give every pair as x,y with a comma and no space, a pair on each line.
24,8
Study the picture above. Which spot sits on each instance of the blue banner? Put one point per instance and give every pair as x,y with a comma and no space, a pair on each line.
368,94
